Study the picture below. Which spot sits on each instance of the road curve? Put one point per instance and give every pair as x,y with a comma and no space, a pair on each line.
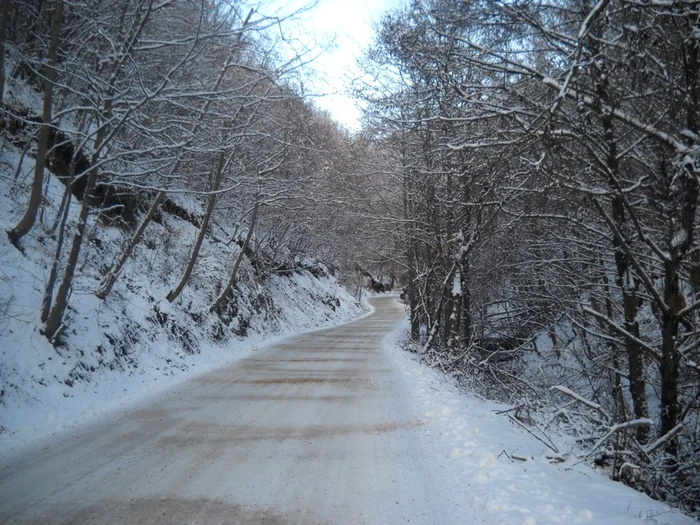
311,430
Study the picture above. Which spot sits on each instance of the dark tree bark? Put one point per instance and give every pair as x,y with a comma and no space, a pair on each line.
227,294
53,275
625,280
54,322
218,177
4,14
111,277
680,239
26,223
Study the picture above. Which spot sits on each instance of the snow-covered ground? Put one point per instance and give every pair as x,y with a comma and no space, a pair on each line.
338,426
474,450
43,407
134,343
37,403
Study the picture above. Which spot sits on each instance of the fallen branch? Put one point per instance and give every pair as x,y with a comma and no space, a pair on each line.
558,458
616,428
551,446
499,412
663,439
590,404
629,465
519,457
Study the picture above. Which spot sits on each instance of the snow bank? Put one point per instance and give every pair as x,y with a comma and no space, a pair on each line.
497,472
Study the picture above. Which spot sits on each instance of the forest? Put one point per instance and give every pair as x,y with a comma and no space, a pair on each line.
526,177
541,164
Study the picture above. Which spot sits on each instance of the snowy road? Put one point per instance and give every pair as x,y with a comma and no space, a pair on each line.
332,427
311,430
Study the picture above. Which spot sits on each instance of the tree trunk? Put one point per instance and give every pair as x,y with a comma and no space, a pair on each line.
53,275
635,357
218,176
452,313
412,294
465,324
624,278
54,322
436,325
670,358
680,239
227,293
113,274
60,223
27,222
617,392
4,13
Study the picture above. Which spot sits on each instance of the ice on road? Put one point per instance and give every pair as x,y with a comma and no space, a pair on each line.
311,430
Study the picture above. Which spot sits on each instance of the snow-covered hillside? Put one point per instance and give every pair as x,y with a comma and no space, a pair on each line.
498,470
134,342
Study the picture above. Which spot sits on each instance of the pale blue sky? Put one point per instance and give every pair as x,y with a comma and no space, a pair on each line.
350,24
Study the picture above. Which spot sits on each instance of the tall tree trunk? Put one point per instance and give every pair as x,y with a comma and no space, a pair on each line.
452,313
53,275
670,358
4,14
615,377
624,278
54,321
113,274
227,294
410,253
218,176
635,357
60,223
680,239
448,323
412,292
26,223
465,324
635,361
471,224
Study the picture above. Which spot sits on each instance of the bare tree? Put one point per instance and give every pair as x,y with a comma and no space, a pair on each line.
26,223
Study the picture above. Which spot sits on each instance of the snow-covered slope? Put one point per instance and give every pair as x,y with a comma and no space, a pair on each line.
134,342
496,472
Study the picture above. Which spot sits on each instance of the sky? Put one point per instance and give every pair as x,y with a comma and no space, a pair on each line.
349,25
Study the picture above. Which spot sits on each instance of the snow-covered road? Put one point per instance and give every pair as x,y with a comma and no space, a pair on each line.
308,431
336,426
